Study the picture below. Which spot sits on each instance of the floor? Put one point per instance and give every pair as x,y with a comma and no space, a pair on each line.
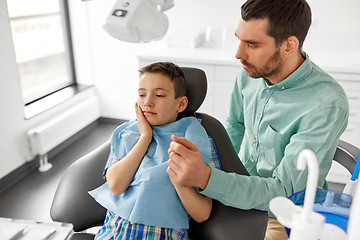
31,197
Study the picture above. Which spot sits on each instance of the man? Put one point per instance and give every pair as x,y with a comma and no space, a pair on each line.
281,104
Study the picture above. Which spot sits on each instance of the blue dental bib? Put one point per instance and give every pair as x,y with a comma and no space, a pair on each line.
151,199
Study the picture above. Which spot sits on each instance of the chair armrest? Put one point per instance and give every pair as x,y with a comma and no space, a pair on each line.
72,203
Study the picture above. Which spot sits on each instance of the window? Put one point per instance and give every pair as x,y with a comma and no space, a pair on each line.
42,44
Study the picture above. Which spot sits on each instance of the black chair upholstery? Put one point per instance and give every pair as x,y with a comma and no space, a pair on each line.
196,88
346,154
227,222
82,236
73,204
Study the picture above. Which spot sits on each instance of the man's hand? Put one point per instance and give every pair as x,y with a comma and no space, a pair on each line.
186,165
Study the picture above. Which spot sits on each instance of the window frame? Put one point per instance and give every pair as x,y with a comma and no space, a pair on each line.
52,98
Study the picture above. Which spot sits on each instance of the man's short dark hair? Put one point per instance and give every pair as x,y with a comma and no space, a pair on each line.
286,17
170,70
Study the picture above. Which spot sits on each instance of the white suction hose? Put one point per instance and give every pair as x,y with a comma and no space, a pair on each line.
306,223
308,157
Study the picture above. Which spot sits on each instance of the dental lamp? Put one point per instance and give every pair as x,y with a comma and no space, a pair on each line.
138,20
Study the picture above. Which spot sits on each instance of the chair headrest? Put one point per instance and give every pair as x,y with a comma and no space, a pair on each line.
196,87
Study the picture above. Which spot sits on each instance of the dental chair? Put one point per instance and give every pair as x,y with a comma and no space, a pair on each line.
346,154
72,203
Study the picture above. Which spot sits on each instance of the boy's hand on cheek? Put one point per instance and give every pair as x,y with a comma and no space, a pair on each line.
143,125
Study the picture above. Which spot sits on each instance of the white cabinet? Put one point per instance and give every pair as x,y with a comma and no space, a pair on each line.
223,83
350,81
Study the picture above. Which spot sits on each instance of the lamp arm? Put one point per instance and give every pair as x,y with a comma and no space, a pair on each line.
163,4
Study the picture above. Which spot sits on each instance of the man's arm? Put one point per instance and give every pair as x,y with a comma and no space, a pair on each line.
234,124
247,192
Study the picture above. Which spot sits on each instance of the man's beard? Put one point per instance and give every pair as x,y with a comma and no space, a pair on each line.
272,67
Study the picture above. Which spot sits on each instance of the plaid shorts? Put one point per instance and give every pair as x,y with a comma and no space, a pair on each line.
118,228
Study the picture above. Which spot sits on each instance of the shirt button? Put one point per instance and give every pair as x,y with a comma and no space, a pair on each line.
252,160
254,140
267,90
282,88
259,115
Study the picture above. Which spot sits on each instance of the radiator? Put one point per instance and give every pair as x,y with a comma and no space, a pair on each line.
47,135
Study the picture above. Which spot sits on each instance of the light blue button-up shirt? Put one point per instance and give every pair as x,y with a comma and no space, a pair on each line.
307,110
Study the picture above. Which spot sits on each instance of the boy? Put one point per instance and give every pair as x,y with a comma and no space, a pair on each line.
142,201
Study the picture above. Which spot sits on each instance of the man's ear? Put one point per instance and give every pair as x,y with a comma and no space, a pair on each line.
290,46
183,104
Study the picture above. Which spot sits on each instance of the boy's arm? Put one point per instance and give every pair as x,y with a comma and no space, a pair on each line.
120,175
197,206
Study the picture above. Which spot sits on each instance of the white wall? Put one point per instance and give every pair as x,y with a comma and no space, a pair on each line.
14,147
11,106
115,62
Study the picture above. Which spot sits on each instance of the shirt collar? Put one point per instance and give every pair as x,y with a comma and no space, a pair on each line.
297,76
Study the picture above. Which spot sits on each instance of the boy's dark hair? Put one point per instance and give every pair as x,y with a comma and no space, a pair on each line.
170,70
286,17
